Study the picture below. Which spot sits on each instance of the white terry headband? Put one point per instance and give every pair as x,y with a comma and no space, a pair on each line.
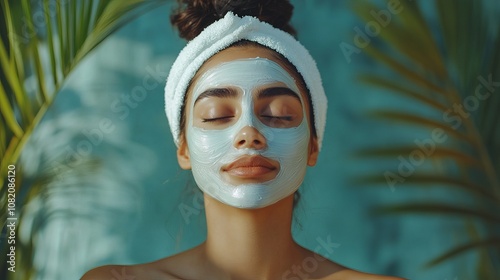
220,35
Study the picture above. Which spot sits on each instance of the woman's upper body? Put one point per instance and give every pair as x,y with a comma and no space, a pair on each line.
233,251
182,267
248,131
244,243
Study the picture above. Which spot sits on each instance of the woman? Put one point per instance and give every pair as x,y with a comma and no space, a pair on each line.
247,111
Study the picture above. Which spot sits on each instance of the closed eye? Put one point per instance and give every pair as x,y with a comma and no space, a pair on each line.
219,119
283,118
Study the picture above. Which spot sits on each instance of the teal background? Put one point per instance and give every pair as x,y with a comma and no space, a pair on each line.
130,210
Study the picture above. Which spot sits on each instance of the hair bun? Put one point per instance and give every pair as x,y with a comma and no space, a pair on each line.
193,16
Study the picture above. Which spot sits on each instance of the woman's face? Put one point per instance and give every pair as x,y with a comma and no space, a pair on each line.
247,132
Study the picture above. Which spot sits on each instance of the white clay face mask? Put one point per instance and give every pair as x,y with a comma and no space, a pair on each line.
212,149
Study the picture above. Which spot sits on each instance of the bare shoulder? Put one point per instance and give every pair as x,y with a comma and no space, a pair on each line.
180,266
348,274
103,272
184,265
318,267
119,272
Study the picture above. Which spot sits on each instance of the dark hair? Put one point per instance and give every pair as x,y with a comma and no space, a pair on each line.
192,16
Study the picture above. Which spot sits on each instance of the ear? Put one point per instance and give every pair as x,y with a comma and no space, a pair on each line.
183,155
312,157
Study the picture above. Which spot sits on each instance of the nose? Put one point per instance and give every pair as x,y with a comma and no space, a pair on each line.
250,137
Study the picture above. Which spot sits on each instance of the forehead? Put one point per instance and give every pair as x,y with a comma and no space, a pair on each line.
236,53
239,53
246,73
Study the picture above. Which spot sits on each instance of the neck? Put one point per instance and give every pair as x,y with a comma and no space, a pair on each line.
251,243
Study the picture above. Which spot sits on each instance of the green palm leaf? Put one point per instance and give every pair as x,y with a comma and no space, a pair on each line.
411,22
70,37
436,153
438,74
417,120
488,243
418,78
431,180
70,31
442,209
402,89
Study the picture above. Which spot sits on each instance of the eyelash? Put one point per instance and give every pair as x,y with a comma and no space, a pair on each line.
217,119
281,118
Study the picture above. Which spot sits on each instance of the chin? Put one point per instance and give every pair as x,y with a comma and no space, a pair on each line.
252,196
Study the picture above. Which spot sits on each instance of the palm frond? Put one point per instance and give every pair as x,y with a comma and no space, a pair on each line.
70,31
410,74
440,73
411,21
437,153
71,36
426,122
489,243
411,93
442,208
420,180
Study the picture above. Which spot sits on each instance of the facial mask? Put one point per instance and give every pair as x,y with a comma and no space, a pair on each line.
211,149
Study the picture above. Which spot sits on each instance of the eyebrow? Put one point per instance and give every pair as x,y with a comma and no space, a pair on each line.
217,92
277,91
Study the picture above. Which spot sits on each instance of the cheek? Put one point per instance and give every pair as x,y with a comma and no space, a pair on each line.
288,144
207,146
204,146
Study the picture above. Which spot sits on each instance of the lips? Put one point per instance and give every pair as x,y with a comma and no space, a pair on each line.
248,167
